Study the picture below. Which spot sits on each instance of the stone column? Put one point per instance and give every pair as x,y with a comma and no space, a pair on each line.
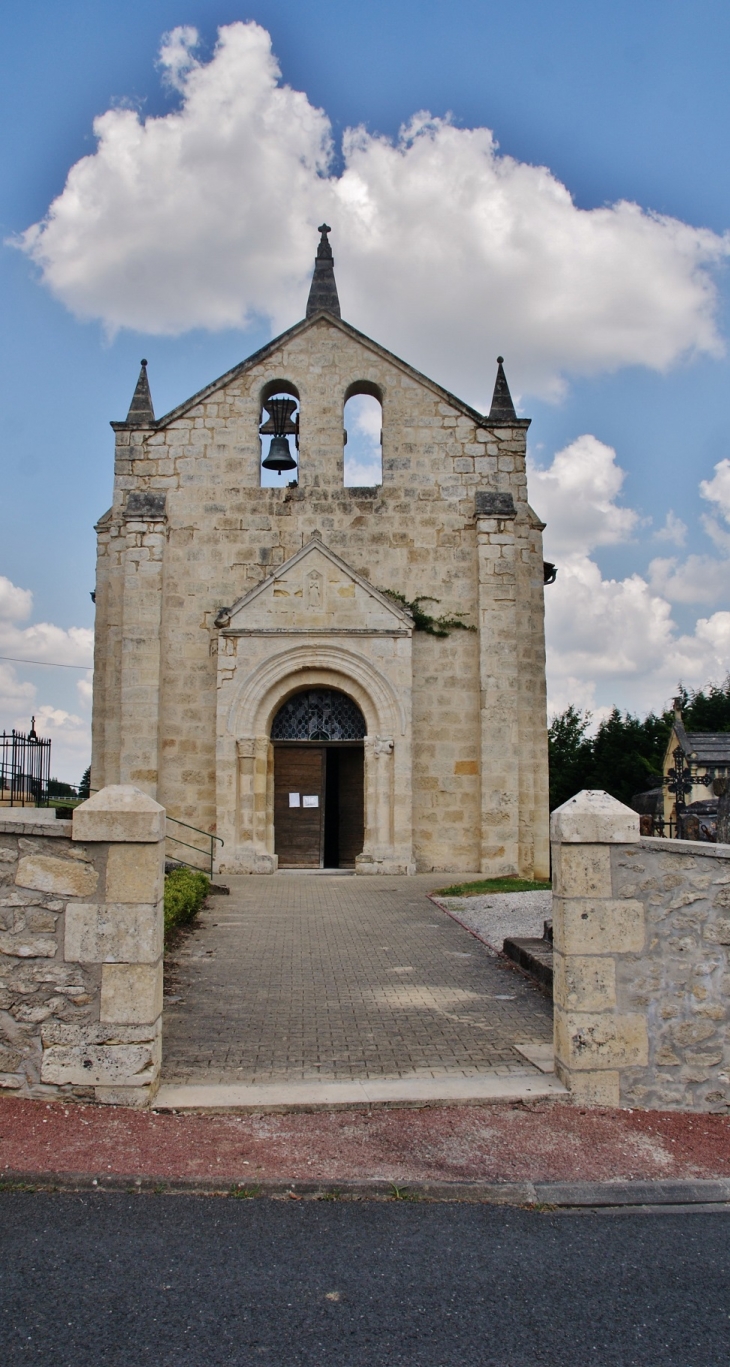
141,620
594,1040
499,683
386,847
263,796
534,814
246,749
382,753
107,655
117,932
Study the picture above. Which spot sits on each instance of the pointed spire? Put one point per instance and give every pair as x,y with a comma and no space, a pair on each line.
503,409
323,295
141,413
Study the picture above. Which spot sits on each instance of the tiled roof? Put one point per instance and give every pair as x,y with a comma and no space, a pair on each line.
710,747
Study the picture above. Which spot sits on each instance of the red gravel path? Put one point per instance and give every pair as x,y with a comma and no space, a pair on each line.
541,1141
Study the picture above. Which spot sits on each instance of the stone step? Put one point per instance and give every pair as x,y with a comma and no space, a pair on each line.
534,957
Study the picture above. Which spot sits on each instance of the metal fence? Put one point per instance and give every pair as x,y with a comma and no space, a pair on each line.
25,769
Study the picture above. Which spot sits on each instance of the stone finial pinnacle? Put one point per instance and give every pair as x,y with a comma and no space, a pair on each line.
503,409
141,413
323,296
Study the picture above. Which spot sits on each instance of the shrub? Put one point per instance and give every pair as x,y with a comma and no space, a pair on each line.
185,892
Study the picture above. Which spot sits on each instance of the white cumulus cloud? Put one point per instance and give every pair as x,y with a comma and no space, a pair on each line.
576,497
674,530
615,640
15,604
22,696
717,489
446,250
699,578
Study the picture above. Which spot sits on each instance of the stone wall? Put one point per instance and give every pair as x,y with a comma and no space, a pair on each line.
191,531
642,962
81,928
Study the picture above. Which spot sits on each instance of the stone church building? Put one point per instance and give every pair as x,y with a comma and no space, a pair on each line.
327,676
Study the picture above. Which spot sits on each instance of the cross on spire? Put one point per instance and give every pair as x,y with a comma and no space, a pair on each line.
323,297
141,413
503,409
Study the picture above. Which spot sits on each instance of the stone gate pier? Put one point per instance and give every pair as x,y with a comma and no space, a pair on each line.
81,911
642,971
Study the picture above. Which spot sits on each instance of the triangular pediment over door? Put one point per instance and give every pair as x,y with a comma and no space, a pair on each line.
316,591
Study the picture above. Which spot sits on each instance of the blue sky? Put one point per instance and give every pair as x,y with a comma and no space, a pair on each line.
619,103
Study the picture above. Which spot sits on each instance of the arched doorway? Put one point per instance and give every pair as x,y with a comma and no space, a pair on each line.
319,808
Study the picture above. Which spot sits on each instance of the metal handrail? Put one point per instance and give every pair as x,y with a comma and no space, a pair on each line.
208,855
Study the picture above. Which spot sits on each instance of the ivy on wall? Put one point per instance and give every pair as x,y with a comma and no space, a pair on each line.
423,621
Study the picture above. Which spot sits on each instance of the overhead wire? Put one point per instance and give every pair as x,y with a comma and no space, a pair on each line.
51,664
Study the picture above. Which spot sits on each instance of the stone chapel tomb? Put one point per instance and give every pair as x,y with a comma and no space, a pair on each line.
266,665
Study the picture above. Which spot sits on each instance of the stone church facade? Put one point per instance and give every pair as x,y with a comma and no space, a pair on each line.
261,665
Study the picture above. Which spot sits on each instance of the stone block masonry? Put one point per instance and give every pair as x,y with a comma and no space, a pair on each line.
81,932
182,702
642,968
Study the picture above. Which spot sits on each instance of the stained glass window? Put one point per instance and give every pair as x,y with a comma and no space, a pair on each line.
319,714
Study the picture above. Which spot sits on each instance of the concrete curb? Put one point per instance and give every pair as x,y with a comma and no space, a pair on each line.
664,1192
542,1195
527,1084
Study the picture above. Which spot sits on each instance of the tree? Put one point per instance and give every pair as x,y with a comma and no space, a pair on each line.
628,754
709,709
57,788
85,784
570,755
625,756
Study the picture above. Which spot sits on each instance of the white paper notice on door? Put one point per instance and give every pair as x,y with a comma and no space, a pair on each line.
310,801
293,799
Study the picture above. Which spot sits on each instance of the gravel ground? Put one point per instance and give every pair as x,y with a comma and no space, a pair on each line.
538,1141
495,917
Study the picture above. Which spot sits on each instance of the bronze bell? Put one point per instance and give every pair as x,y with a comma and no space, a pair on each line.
279,457
279,423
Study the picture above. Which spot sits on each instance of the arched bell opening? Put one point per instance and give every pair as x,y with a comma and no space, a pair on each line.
363,435
319,780
279,432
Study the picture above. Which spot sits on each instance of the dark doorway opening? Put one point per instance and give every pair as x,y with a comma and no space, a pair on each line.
319,804
344,810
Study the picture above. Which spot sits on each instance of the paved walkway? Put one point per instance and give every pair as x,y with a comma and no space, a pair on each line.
300,977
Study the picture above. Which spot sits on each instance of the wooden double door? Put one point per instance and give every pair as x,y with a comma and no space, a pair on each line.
319,804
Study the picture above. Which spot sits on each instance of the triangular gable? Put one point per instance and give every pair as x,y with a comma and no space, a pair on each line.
316,320
315,591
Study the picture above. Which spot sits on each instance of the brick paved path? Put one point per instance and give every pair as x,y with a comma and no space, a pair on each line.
299,977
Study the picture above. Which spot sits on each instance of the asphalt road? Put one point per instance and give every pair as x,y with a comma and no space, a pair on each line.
196,1282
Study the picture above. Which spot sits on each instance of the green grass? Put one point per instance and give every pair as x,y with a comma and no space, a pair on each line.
494,885
185,892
